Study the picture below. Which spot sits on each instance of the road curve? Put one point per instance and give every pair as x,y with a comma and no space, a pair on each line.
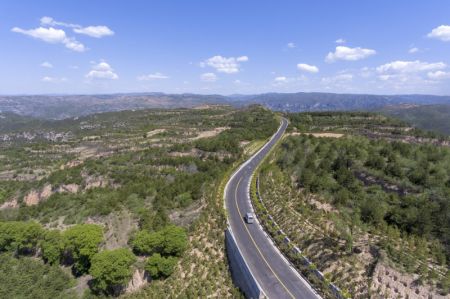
273,272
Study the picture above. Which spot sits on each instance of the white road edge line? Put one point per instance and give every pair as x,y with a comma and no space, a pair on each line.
289,264
226,191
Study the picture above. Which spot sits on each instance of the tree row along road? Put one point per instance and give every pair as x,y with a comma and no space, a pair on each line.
274,273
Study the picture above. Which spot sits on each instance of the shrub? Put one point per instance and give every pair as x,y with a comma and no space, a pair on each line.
52,246
21,237
111,270
171,240
160,267
81,244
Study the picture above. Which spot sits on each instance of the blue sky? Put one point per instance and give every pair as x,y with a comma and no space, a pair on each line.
226,47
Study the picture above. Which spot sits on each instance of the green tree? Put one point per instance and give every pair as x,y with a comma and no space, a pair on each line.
145,242
184,199
52,246
342,197
30,278
394,169
81,244
160,267
375,161
373,210
175,240
21,237
111,270
160,219
171,240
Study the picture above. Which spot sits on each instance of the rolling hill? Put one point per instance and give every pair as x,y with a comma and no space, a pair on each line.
66,106
429,117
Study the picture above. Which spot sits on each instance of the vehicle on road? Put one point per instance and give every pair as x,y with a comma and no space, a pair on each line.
249,218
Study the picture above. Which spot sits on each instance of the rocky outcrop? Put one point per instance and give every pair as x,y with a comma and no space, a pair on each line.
11,204
140,279
46,191
95,182
71,188
34,196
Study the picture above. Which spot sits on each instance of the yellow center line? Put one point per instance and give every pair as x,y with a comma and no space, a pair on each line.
254,243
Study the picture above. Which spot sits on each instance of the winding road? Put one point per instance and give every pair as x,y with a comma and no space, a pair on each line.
274,273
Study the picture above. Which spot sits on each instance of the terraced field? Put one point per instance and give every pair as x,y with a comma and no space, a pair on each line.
127,174
365,254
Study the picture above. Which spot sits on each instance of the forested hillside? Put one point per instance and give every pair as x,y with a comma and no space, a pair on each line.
121,203
428,117
366,198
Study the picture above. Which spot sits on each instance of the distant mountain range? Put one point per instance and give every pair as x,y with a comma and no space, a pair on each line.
317,101
429,117
66,106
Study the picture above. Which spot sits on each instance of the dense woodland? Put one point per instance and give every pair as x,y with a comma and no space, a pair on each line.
363,175
411,192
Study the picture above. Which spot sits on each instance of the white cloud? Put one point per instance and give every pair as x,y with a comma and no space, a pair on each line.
411,76
53,36
49,35
438,75
228,65
208,77
154,76
409,82
73,44
48,32
94,31
415,66
53,79
308,68
441,32
413,50
283,81
291,45
102,71
280,79
337,79
47,64
340,41
386,77
351,54
49,21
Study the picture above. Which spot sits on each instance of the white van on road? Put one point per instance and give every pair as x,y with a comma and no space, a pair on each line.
249,218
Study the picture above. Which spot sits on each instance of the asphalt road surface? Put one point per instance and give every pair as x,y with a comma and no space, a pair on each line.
275,275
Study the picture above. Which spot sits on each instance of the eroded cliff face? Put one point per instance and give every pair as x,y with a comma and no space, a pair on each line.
34,197
139,280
